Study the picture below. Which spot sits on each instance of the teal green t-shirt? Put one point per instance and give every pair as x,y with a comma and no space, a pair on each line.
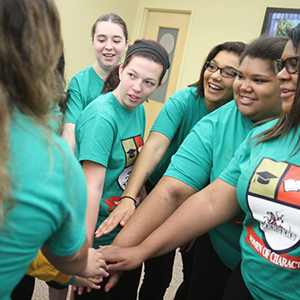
49,197
202,157
110,135
175,120
83,88
267,178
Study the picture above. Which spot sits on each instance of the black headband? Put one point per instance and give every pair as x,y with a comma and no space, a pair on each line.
145,46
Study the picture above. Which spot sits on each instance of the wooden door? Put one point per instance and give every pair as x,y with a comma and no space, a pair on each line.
165,27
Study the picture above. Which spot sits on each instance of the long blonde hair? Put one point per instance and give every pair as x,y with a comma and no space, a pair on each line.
30,48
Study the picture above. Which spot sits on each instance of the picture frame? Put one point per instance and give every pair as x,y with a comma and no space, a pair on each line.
277,20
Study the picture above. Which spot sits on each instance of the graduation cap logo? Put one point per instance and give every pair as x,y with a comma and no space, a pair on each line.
130,153
265,177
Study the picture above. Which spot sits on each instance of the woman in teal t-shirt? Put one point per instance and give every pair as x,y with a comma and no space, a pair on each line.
203,155
177,117
261,180
42,189
109,137
109,42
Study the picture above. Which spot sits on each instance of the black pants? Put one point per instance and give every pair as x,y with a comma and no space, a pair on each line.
187,263
236,288
158,271
157,277
24,289
125,289
208,276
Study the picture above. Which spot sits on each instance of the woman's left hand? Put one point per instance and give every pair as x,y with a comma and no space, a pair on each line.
120,215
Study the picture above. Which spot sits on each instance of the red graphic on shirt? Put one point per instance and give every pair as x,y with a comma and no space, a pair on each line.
139,142
112,202
289,190
282,260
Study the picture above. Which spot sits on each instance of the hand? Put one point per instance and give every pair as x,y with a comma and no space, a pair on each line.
96,265
90,283
113,280
121,214
121,259
188,246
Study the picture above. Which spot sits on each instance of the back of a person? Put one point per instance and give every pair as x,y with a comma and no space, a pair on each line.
41,201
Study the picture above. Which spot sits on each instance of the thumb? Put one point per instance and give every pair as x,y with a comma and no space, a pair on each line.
112,281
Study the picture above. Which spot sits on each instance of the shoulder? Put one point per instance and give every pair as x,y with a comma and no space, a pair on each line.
102,108
39,144
259,129
184,94
86,75
83,73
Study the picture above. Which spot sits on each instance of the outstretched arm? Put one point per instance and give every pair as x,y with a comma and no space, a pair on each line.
214,205
150,156
85,262
163,200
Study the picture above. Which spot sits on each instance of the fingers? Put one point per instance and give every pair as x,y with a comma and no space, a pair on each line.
126,218
108,225
96,265
113,279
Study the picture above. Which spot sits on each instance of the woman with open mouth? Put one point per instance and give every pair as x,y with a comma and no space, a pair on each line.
201,158
177,117
109,137
109,42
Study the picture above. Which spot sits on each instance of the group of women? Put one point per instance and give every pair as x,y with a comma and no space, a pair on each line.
220,175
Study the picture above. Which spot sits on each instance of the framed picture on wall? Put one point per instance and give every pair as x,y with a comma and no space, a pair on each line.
278,20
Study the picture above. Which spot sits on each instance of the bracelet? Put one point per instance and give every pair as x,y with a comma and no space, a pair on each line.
135,202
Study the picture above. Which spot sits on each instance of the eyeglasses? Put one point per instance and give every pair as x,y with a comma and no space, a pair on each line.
225,72
290,64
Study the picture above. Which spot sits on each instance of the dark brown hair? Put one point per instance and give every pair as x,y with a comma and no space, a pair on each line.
234,47
287,121
112,18
112,80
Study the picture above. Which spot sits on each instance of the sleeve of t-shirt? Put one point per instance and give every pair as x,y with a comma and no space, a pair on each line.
170,117
232,172
96,140
71,233
192,162
74,103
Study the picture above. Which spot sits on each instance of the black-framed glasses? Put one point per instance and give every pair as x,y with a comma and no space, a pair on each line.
225,72
290,64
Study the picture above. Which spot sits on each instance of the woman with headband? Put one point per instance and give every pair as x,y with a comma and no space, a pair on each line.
109,137
177,117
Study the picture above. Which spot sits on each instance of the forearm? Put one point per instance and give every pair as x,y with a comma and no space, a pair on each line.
95,177
73,264
200,213
92,212
164,199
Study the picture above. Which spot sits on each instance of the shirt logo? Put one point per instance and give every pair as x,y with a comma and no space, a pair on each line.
274,201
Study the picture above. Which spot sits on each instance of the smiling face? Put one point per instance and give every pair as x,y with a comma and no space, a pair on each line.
287,82
256,90
109,44
138,80
217,89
